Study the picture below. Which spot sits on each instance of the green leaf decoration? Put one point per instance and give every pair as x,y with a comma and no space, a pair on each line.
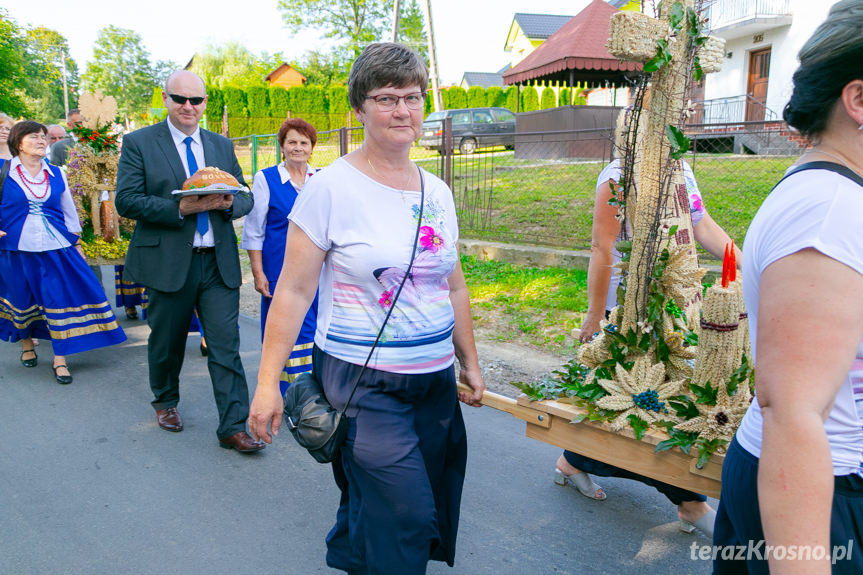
672,230
684,407
706,394
639,426
677,15
579,418
679,142
697,71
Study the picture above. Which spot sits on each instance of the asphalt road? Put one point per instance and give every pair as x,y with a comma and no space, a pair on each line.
90,485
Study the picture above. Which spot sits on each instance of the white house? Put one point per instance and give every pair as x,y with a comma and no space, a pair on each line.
762,40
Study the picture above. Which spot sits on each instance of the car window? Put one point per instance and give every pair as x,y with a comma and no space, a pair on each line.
504,116
461,118
482,117
435,116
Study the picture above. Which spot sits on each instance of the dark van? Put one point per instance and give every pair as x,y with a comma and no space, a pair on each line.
472,128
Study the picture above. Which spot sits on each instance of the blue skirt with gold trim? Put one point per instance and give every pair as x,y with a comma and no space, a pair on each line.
300,359
129,294
54,295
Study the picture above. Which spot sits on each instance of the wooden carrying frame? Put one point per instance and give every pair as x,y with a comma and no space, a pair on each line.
550,421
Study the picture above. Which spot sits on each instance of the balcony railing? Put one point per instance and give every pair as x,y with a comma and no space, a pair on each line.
732,13
730,110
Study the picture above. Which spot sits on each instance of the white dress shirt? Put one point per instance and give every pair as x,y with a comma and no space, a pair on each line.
254,226
208,239
37,234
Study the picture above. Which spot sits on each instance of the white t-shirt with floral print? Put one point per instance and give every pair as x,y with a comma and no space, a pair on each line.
368,230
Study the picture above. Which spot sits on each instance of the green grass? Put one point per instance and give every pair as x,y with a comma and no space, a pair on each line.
551,203
534,306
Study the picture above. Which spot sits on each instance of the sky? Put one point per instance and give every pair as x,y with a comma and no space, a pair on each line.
470,34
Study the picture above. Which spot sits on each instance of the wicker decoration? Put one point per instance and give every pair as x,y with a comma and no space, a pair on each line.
647,362
633,36
641,391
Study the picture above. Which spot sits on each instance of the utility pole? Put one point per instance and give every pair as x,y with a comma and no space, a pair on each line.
397,10
438,103
65,87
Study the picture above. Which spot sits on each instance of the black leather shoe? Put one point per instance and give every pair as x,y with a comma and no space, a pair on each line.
204,350
64,379
33,361
131,312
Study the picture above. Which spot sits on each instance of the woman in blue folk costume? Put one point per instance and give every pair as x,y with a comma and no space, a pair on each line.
266,227
47,290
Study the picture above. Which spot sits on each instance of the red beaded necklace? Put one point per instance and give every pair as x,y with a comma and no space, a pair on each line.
26,181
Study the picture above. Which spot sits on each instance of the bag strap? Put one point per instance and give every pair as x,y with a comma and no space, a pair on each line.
399,291
829,166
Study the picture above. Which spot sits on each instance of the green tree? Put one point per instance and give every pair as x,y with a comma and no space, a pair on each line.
279,102
121,68
12,47
324,68
548,99
564,97
494,97
43,89
233,64
456,98
529,99
476,97
353,23
510,96
412,28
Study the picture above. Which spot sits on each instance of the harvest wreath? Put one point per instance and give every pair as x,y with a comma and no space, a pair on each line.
669,373
92,173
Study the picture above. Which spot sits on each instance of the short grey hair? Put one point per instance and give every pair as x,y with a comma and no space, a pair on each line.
385,64
5,119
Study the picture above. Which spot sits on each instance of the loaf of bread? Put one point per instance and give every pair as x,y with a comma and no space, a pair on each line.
212,178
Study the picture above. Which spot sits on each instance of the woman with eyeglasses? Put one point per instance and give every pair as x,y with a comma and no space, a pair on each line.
265,229
401,468
47,290
6,124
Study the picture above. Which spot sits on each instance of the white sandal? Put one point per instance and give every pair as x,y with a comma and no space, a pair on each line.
582,483
703,524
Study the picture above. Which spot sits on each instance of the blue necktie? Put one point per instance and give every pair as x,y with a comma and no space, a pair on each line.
203,224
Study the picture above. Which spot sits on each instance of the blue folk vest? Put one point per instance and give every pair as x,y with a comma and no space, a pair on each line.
282,198
15,206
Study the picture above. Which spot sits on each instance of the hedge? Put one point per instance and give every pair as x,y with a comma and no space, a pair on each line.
257,109
529,99
476,97
548,99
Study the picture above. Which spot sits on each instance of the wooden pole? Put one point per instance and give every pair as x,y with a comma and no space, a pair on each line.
397,9
65,86
438,102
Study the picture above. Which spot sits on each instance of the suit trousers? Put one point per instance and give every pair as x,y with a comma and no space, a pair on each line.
169,314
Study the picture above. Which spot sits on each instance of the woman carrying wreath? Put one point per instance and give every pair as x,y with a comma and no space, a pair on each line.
265,230
401,468
47,290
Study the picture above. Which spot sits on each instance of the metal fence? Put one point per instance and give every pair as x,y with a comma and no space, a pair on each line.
542,192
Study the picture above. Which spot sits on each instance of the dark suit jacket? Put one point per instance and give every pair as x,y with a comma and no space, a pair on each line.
160,251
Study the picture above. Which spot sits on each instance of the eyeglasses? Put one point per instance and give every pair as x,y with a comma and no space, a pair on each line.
389,102
195,101
5,129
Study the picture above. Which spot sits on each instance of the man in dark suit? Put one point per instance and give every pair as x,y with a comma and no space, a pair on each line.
185,252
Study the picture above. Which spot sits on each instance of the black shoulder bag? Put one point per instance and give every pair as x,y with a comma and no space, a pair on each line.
314,423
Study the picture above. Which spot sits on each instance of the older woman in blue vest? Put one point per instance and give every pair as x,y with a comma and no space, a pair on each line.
266,228
47,290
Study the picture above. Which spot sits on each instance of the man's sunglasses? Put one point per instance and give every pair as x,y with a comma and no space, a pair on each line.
195,101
